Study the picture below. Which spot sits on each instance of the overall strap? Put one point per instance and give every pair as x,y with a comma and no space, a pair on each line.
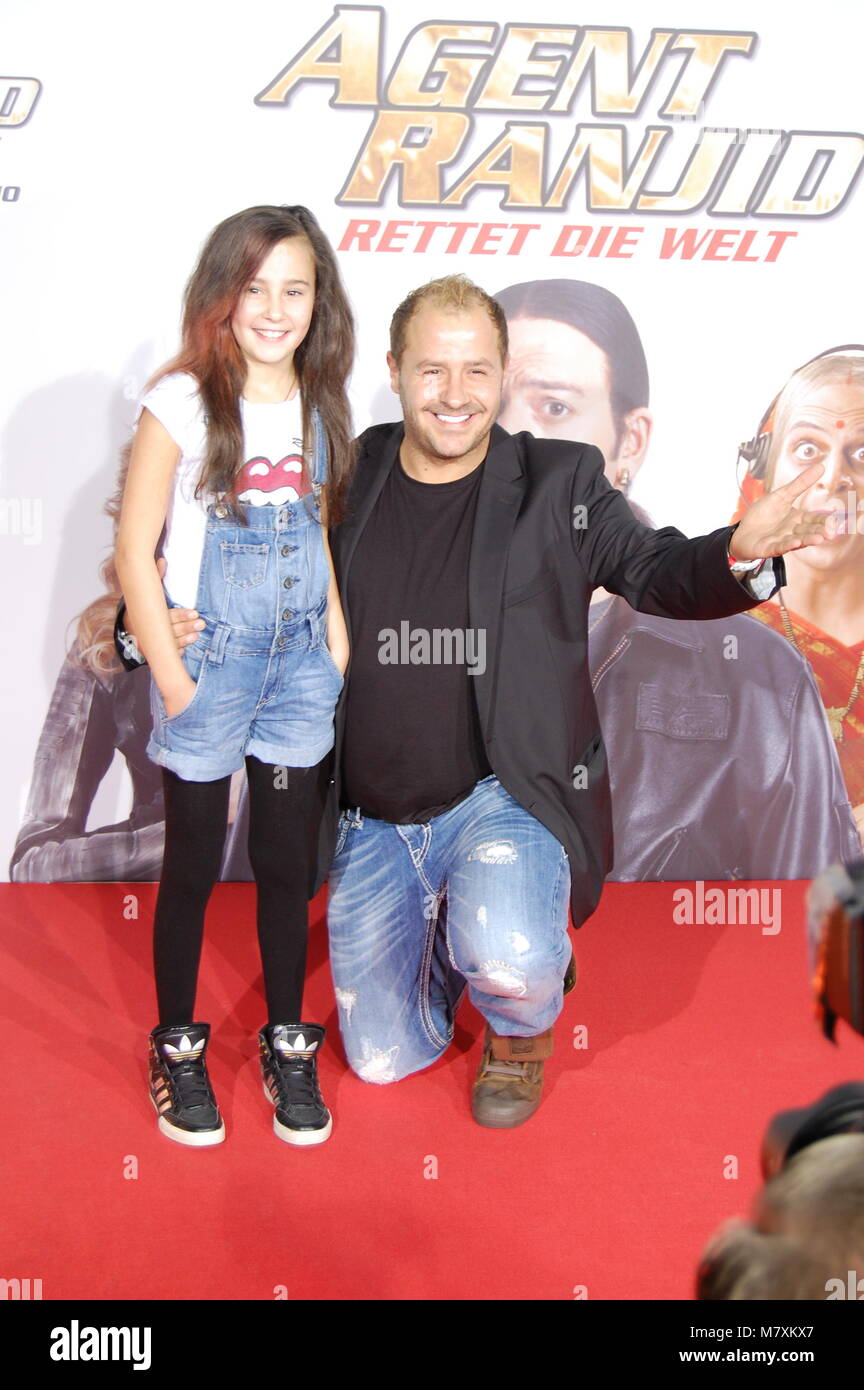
319,452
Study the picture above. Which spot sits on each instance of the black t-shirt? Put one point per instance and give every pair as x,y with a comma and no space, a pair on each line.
413,746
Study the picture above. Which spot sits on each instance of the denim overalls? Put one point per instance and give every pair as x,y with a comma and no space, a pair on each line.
266,684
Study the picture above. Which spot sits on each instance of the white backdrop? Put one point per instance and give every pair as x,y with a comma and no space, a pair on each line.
145,132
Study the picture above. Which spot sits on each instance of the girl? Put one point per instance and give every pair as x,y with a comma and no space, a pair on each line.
242,454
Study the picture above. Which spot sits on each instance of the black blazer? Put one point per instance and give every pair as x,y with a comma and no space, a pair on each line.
549,528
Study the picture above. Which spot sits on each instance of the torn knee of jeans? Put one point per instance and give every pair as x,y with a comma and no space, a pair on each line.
376,1064
346,999
499,977
494,852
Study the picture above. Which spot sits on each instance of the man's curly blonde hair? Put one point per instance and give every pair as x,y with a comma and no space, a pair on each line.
453,293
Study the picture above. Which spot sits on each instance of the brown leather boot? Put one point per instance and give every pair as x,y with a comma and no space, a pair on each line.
571,975
509,1082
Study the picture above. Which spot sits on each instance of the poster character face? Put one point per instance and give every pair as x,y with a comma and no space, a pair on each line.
273,314
448,382
826,425
558,386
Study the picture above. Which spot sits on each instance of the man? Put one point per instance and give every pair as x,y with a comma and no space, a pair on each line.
476,798
700,719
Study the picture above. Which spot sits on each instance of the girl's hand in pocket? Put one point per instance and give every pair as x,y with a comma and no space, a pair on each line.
176,701
339,652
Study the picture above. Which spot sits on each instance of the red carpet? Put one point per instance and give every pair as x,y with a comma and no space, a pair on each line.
695,1035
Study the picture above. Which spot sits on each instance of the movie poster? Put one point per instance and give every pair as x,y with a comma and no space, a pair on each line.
666,203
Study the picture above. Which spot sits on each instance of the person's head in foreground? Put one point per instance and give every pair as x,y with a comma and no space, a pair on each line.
805,1236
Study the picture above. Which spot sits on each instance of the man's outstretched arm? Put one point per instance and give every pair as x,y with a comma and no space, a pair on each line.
663,572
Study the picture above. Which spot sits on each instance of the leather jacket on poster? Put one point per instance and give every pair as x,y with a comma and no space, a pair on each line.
721,762
89,718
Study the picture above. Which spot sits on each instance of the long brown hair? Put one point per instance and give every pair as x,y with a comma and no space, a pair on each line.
230,258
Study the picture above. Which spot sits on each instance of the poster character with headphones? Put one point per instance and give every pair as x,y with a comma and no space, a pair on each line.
818,417
692,736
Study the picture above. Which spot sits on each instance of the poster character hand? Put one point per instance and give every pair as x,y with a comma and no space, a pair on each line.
177,698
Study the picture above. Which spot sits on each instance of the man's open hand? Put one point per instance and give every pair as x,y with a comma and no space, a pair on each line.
775,525
186,625
185,622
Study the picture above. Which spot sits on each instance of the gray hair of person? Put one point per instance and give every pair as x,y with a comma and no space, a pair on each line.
743,1265
818,1195
807,1228
599,315
840,369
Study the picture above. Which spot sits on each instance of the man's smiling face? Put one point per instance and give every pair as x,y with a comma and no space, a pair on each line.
449,382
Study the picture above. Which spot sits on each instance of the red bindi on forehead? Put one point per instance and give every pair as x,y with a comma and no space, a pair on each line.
838,424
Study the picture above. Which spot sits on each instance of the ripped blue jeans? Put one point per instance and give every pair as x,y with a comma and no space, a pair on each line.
476,897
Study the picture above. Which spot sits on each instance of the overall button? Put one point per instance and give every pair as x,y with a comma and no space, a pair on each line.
287,583
287,613
288,549
220,511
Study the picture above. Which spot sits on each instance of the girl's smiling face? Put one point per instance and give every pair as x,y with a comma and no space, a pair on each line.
274,311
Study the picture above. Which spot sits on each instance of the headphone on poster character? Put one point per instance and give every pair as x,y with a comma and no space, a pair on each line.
753,453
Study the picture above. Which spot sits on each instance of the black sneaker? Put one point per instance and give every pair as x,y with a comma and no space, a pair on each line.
289,1056
180,1087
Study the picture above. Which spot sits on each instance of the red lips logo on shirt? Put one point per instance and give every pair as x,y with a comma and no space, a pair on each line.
261,476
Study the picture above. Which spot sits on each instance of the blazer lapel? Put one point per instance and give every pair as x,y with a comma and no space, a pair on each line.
501,492
373,468
378,451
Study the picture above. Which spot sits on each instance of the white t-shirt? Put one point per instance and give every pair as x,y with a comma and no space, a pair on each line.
272,475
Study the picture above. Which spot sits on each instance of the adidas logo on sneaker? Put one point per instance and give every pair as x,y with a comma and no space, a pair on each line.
180,1089
290,1076
187,1049
298,1048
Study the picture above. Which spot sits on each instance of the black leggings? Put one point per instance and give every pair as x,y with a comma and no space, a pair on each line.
284,815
